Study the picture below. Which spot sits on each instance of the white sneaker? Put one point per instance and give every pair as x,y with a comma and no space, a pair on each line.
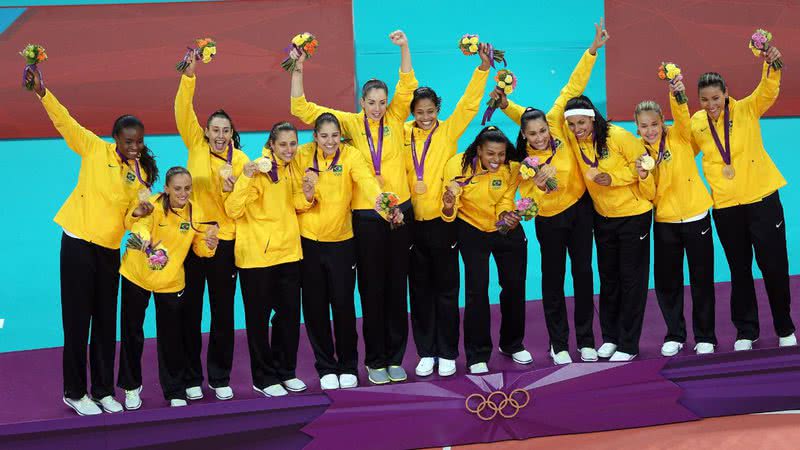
276,390
348,380
132,399
329,381
520,357
588,354
743,344
787,341
561,357
194,393
671,348
425,366
704,348
84,406
295,385
447,367
621,356
223,393
607,350
177,402
478,368
109,404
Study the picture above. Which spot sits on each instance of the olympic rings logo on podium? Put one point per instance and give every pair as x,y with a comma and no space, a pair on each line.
508,406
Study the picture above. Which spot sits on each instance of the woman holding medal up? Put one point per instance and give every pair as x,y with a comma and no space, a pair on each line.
610,159
747,209
114,182
171,227
328,275
434,273
377,132
215,161
564,222
479,188
264,203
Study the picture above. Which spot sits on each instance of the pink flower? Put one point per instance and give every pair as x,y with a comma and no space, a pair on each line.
758,40
531,161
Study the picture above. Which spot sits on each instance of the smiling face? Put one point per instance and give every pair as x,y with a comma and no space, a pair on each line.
328,137
492,155
179,188
425,113
219,134
537,133
581,126
712,99
284,145
650,126
130,142
374,103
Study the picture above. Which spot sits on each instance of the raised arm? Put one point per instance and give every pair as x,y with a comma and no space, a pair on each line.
467,107
302,108
765,94
185,118
399,108
682,121
78,139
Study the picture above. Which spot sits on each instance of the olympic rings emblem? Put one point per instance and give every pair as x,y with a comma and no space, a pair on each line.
508,406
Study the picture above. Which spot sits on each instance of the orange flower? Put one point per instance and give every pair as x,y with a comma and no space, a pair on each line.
662,75
201,42
42,56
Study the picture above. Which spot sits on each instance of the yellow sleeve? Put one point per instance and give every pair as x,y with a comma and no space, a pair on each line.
682,122
199,244
766,92
129,218
574,87
143,226
648,186
308,112
244,192
506,202
400,106
514,112
467,107
361,174
185,118
79,139
451,171
630,149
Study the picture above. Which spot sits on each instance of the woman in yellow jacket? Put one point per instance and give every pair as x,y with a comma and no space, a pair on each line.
327,271
479,189
747,209
564,222
114,181
682,223
268,254
377,132
608,158
215,161
434,274
171,227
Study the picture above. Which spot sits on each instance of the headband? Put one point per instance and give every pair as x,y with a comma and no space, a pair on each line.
579,112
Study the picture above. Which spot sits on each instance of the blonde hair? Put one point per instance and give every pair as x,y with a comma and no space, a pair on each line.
647,105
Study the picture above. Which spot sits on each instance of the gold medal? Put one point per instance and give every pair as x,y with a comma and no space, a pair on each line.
226,171
144,194
380,179
454,188
212,231
591,173
312,177
264,164
420,188
728,171
648,163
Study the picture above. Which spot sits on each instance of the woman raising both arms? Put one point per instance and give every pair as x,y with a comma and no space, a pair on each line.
215,162
377,132
114,182
434,273
747,208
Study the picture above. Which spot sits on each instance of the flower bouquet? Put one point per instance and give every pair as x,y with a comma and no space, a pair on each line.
531,166
205,49
507,82
671,72
304,42
388,204
468,44
33,54
157,257
525,208
759,43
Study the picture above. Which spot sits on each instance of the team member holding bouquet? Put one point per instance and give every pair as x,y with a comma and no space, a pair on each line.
479,189
564,222
173,229
264,203
215,162
114,180
434,273
747,209
377,132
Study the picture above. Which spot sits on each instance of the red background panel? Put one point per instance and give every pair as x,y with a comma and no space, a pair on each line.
110,60
700,36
